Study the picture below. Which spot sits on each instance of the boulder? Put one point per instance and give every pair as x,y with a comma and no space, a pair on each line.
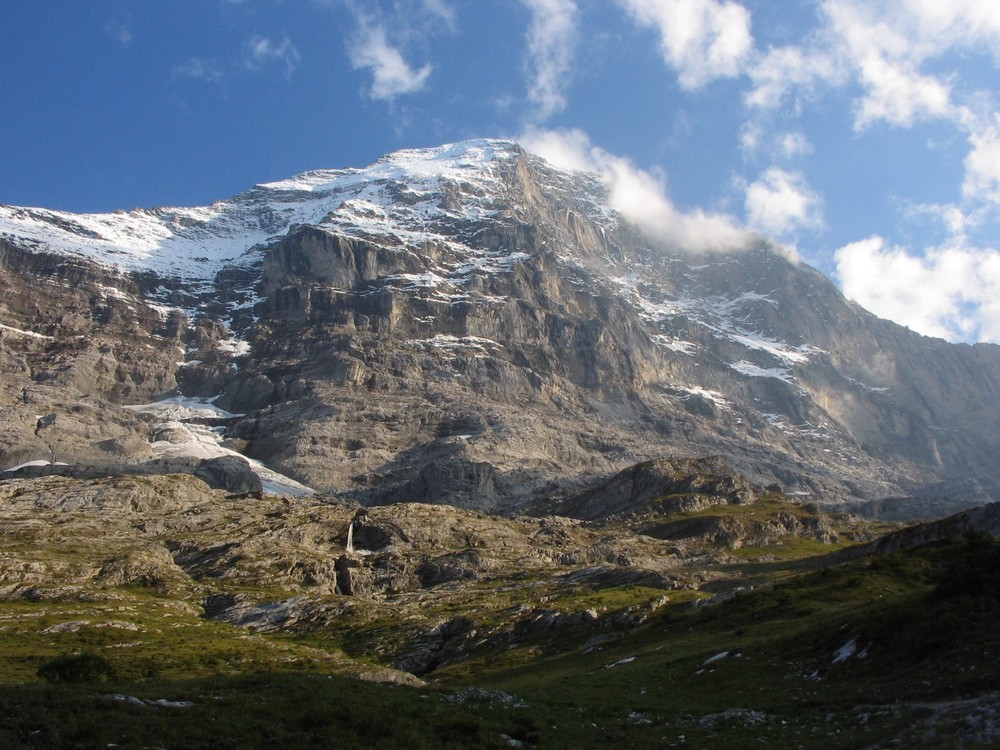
230,473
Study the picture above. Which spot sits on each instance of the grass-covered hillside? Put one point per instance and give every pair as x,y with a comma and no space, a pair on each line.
153,612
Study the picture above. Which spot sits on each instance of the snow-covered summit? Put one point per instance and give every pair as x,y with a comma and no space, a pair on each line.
460,160
403,193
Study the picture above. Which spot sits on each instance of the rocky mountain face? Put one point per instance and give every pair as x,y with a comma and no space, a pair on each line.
469,326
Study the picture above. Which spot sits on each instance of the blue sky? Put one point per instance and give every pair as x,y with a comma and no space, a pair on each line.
863,135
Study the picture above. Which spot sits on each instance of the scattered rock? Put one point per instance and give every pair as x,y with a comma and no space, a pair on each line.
663,486
733,717
712,659
265,618
349,578
534,621
477,695
149,567
393,677
158,703
626,660
75,626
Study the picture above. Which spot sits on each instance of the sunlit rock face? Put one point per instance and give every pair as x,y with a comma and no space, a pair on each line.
468,325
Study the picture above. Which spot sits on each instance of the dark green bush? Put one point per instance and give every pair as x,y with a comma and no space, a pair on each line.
76,668
975,570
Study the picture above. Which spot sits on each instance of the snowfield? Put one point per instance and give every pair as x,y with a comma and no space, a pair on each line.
202,441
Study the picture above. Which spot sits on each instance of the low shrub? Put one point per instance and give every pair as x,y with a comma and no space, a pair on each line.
76,668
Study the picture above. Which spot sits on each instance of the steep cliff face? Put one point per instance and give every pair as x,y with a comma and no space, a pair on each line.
468,325
72,350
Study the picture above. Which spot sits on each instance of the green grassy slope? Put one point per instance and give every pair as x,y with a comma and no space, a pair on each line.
917,632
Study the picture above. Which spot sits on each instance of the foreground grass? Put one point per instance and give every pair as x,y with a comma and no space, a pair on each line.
265,710
901,649
917,634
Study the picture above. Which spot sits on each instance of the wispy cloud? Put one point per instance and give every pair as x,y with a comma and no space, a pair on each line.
261,51
943,25
200,69
638,195
258,52
383,41
884,46
794,144
550,43
702,40
755,140
392,76
120,29
441,11
792,71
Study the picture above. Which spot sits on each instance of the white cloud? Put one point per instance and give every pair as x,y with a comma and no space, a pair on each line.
885,46
899,95
638,195
565,149
384,34
954,219
752,137
262,50
952,292
551,38
780,203
784,69
887,60
391,74
907,58
982,165
700,39
956,22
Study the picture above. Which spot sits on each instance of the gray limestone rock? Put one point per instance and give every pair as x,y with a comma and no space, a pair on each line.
665,485
230,473
433,648
392,677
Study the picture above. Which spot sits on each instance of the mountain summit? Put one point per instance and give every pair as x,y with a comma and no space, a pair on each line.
468,325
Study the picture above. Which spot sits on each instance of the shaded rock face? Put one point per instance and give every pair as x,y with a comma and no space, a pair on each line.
984,520
459,566
349,583
436,646
230,473
735,532
493,337
663,486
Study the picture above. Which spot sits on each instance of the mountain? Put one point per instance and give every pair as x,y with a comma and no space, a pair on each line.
468,325
452,424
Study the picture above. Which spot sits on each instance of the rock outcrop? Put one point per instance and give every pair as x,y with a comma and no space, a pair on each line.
663,486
